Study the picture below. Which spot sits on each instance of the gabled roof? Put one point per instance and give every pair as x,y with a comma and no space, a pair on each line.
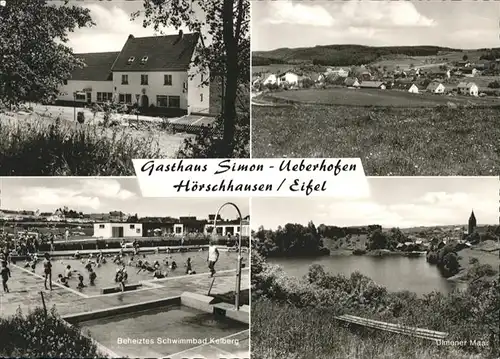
434,85
97,66
405,85
466,85
371,84
164,53
350,81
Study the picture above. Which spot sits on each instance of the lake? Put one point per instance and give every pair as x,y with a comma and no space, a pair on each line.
394,272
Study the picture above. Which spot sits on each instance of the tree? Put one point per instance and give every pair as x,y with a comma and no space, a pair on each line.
465,57
35,60
227,54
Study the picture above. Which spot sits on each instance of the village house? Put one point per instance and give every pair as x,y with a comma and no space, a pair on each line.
468,71
463,64
340,72
271,79
372,85
468,88
351,82
407,86
435,87
147,71
438,73
366,76
289,78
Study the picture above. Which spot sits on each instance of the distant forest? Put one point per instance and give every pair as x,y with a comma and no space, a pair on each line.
344,55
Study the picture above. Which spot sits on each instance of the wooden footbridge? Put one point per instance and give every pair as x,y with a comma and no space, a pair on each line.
393,328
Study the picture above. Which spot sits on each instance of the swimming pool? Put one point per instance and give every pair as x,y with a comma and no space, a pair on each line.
106,273
161,332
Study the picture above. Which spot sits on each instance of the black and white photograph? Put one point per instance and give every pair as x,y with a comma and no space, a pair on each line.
410,87
86,86
408,269
90,269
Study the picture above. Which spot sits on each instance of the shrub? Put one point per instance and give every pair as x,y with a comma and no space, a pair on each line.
38,336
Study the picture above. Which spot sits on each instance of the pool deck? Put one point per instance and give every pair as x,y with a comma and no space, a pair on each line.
25,288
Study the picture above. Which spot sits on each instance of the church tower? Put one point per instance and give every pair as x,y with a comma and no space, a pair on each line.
472,223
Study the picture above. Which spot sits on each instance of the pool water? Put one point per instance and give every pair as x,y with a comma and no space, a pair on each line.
159,332
106,272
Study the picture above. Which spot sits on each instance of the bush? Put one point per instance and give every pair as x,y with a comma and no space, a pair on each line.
359,251
38,336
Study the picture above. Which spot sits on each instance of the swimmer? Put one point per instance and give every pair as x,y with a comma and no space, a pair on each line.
62,280
92,277
80,282
76,255
188,266
173,266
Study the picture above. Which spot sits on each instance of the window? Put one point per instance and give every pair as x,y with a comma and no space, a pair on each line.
132,226
124,79
101,226
110,96
138,230
168,101
161,101
144,79
130,60
201,97
128,98
65,82
178,230
144,59
80,96
167,80
99,97
174,101
184,85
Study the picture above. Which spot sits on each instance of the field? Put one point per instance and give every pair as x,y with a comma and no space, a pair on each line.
367,98
389,140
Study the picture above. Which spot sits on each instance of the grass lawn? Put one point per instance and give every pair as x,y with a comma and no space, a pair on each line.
389,140
284,332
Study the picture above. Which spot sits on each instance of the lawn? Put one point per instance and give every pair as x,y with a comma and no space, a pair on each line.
367,98
401,141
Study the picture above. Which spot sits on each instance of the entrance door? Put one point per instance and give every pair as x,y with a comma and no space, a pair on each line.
117,232
89,97
144,101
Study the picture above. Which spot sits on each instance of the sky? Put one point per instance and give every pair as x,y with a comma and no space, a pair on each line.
296,23
391,202
101,195
113,26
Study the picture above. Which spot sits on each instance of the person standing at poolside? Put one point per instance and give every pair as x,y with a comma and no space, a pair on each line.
5,273
47,271
213,257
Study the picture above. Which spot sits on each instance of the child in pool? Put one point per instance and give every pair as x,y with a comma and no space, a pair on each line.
92,277
62,280
80,282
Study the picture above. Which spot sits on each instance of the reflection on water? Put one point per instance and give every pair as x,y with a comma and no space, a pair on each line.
395,273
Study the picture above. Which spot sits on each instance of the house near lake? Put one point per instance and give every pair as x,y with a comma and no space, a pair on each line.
468,88
435,87
407,86
153,70
372,85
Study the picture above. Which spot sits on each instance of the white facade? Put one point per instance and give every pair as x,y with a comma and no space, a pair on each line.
90,88
413,89
178,229
198,95
439,89
117,230
470,89
172,87
233,229
288,78
270,80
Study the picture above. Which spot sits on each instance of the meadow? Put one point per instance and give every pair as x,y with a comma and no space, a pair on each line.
425,141
369,98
